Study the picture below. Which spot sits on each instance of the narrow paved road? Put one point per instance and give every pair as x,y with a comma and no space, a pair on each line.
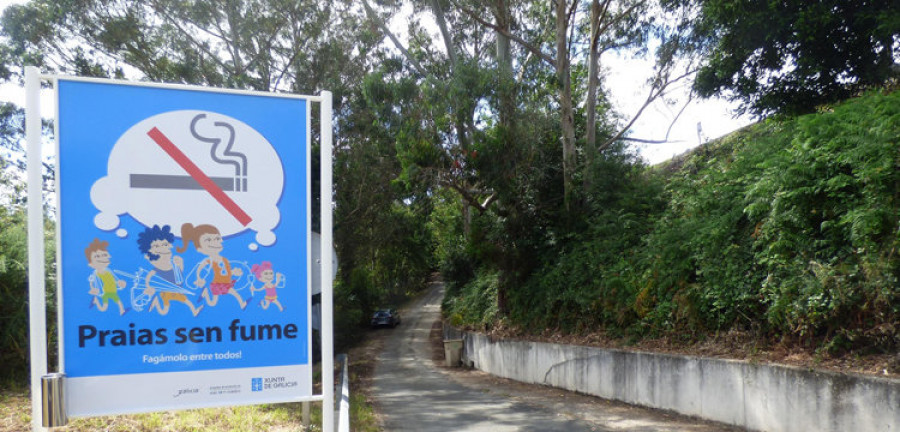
414,394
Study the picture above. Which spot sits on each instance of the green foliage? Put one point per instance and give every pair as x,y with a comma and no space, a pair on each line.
382,206
583,281
828,230
456,263
252,44
698,269
792,56
354,295
477,302
788,228
13,292
14,316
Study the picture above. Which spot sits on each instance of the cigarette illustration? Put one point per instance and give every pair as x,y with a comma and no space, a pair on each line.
221,154
184,182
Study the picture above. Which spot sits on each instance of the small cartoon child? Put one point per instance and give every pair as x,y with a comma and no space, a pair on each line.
271,281
208,241
104,284
156,245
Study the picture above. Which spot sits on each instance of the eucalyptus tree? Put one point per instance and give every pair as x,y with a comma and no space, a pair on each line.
448,70
487,101
253,44
570,36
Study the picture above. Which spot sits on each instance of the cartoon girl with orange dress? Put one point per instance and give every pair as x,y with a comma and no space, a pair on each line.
208,241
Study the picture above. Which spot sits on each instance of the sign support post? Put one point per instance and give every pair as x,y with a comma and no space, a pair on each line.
36,293
327,266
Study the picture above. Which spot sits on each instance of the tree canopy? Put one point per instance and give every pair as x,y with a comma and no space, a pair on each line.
791,56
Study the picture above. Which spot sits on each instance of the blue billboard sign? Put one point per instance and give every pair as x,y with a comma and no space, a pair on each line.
184,238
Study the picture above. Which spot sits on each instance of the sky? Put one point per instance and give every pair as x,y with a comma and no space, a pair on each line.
625,81
702,120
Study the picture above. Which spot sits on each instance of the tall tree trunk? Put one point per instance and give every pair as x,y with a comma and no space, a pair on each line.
590,144
445,32
507,95
504,65
461,118
566,112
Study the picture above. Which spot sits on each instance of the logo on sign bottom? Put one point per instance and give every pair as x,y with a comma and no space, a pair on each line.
271,383
256,384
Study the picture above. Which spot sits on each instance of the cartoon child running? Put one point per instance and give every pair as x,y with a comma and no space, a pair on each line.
208,241
156,245
104,284
271,281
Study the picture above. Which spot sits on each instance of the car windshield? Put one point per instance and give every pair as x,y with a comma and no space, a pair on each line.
382,314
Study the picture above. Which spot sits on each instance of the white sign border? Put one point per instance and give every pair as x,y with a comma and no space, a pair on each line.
37,288
120,394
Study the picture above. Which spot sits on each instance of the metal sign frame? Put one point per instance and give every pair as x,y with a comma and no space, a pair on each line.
37,289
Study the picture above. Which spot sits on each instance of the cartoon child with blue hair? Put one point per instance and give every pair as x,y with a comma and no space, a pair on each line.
167,275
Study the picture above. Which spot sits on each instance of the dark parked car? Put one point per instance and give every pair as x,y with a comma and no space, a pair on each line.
385,317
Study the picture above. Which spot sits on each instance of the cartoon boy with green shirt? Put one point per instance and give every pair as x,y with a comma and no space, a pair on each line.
104,285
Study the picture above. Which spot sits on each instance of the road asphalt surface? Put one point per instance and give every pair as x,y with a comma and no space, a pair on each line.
413,392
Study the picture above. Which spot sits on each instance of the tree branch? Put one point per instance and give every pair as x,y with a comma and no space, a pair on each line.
531,48
668,131
490,200
655,92
618,18
442,25
374,17
572,9
595,38
649,141
191,38
466,195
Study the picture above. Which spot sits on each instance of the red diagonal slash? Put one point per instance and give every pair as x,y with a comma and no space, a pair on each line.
201,178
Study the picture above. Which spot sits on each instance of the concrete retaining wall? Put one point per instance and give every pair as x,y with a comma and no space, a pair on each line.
753,396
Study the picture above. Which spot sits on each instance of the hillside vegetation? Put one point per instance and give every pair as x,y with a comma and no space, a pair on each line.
787,229
493,150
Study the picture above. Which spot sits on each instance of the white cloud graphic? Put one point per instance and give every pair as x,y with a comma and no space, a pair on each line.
148,179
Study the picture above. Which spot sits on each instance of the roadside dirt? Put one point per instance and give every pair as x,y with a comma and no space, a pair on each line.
362,364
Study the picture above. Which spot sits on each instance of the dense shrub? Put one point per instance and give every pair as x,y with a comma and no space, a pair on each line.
476,303
827,233
788,228
14,317
584,285
698,269
13,293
